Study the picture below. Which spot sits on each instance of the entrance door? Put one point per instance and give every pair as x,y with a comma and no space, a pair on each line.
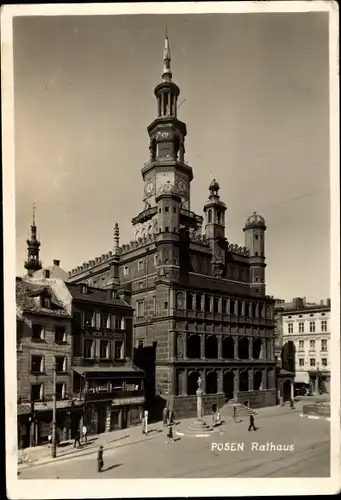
102,417
124,413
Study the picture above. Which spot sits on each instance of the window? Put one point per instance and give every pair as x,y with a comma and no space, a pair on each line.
89,318
84,289
290,327
98,320
37,364
125,271
140,342
46,302
88,346
140,265
324,345
140,308
37,331
37,392
166,210
301,362
312,345
60,363
155,260
118,349
165,305
166,229
323,326
324,362
60,334
104,349
118,322
189,301
141,284
301,345
174,210
60,390
301,327
312,326
312,362
105,320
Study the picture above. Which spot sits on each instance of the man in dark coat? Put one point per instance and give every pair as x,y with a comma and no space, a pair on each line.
100,461
77,439
252,423
165,416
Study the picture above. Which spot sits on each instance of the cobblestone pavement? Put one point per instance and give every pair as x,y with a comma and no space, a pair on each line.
191,457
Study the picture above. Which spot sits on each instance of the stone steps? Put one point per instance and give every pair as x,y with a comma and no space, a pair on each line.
241,410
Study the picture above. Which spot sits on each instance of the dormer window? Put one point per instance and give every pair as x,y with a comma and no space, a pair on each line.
45,302
84,289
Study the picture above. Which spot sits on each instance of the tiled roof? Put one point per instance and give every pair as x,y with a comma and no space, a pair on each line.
26,299
94,295
55,272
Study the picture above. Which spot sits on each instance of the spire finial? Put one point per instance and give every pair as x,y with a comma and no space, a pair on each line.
167,74
34,215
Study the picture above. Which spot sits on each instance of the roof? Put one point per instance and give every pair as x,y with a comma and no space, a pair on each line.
95,295
108,369
27,299
55,272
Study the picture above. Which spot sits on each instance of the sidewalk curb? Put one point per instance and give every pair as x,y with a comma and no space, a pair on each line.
49,460
314,417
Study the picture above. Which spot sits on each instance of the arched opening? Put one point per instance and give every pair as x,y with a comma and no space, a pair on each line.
193,346
228,384
211,382
256,348
257,380
211,347
209,215
243,348
271,377
228,348
243,381
192,385
286,390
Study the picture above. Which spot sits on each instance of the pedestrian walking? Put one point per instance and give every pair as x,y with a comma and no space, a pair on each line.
100,461
213,418
171,417
49,438
77,439
170,438
146,422
234,413
252,423
165,416
292,404
218,421
84,433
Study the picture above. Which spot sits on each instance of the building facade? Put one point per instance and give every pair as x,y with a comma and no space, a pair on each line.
105,380
43,339
305,338
199,300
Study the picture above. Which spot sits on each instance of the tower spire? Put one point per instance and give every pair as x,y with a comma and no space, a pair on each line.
33,244
167,74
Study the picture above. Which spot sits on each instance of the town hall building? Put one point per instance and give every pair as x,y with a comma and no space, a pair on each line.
199,300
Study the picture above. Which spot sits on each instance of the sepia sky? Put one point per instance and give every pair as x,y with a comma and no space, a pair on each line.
256,108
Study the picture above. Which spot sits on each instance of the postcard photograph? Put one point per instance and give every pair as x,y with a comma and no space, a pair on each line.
171,249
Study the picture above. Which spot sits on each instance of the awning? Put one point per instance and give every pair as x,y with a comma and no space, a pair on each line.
131,370
302,377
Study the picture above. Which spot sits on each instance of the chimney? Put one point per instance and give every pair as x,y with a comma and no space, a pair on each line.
328,302
46,273
56,262
321,302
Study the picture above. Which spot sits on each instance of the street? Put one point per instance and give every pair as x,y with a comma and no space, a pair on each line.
308,453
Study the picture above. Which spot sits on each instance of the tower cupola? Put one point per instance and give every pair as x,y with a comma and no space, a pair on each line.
33,263
214,210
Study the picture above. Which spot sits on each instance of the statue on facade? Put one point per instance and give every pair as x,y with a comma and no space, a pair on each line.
199,382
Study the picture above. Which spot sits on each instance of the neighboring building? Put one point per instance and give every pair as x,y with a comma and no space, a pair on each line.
104,377
43,338
199,300
54,272
305,338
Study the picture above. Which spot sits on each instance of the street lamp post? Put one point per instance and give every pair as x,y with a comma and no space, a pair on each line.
54,444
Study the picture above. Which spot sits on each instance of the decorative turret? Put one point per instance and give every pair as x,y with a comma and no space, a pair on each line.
214,210
116,239
33,263
254,241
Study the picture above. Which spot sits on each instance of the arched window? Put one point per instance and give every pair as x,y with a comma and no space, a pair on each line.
211,347
193,347
228,348
243,348
209,219
192,384
211,382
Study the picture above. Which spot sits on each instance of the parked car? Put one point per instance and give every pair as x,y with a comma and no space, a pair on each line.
302,391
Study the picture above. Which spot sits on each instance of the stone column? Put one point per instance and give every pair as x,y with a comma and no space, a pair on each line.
202,346
108,419
235,383
262,354
162,104
250,373
184,382
172,300
185,345
220,305
264,378
220,381
257,310
200,412
211,304
250,347
220,346
202,307
228,306
159,107
194,301
185,300
236,353
292,393
236,312
243,308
